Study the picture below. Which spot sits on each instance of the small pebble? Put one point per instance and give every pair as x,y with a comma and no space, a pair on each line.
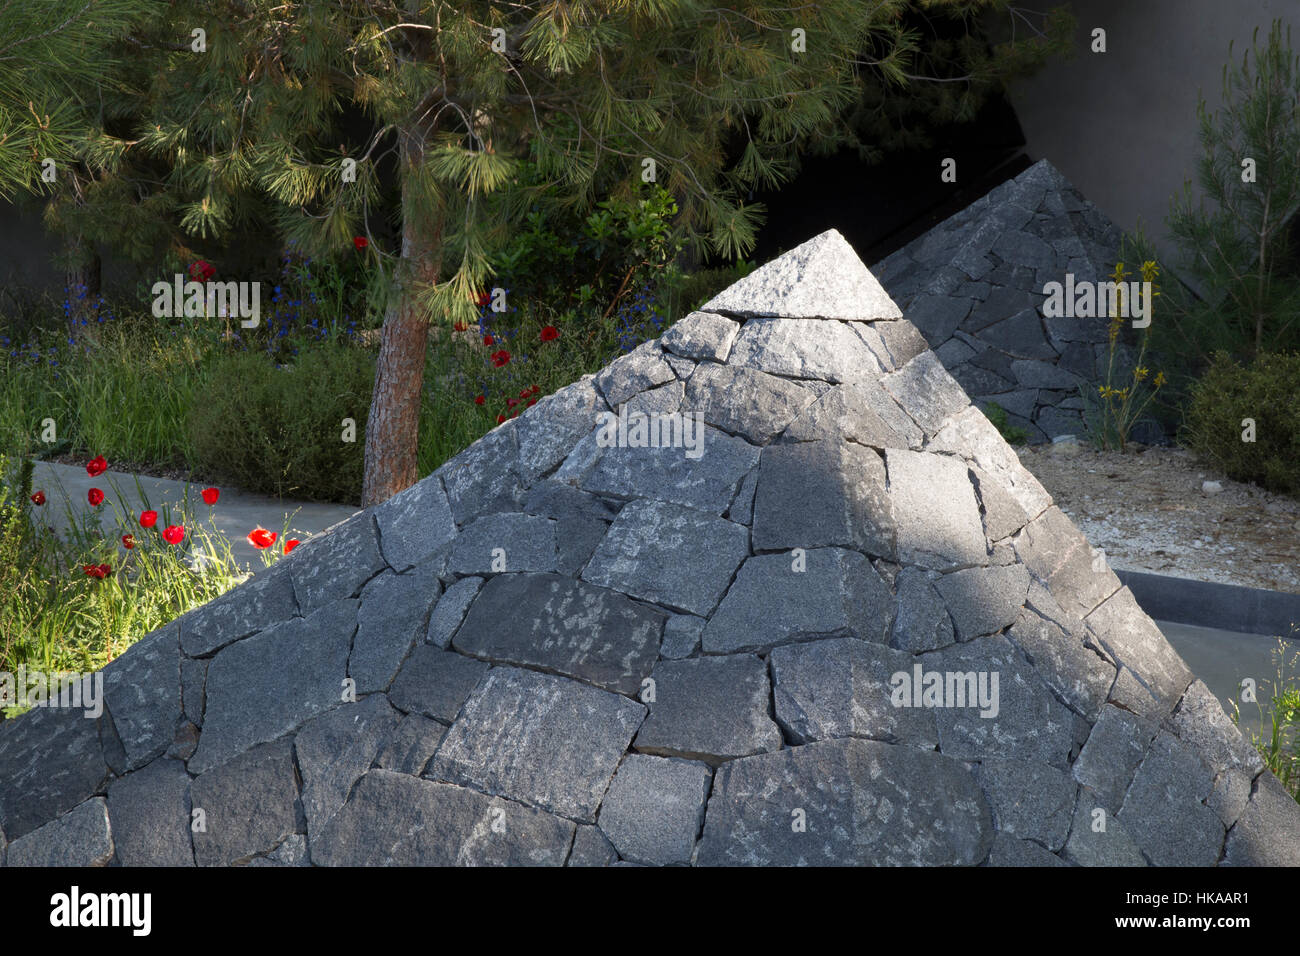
1211,487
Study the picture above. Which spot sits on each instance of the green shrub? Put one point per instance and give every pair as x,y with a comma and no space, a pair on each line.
1268,393
279,429
560,260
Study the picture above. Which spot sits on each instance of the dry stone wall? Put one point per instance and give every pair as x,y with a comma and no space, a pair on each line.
973,285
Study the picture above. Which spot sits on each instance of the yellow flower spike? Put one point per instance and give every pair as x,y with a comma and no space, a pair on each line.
1160,379
1140,373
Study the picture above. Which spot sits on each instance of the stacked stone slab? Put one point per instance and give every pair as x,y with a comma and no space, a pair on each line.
973,285
556,651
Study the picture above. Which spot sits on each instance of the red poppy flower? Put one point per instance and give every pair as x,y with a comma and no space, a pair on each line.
461,326
360,241
261,538
128,541
290,544
482,299
480,399
210,495
536,389
96,570
38,498
531,403
511,403
515,413
202,271
148,519
500,358
550,333
500,419
488,340
173,534
525,393
95,497
96,466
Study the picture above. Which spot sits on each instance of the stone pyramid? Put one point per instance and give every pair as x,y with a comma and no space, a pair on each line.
837,624
973,285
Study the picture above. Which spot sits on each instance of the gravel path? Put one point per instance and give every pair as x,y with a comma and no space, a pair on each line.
1148,513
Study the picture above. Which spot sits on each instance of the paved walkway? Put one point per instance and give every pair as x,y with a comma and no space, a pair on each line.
235,514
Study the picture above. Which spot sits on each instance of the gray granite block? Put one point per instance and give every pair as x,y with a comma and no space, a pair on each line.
556,624
709,708
545,741
654,808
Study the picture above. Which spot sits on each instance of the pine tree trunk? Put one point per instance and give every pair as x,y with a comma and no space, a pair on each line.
83,280
392,428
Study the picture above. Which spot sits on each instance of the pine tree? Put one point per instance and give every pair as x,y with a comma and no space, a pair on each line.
52,57
56,61
602,95
1237,239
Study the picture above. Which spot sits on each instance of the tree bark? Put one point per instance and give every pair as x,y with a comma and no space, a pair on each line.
83,279
392,427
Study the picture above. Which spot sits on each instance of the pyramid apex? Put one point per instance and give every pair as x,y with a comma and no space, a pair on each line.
822,278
